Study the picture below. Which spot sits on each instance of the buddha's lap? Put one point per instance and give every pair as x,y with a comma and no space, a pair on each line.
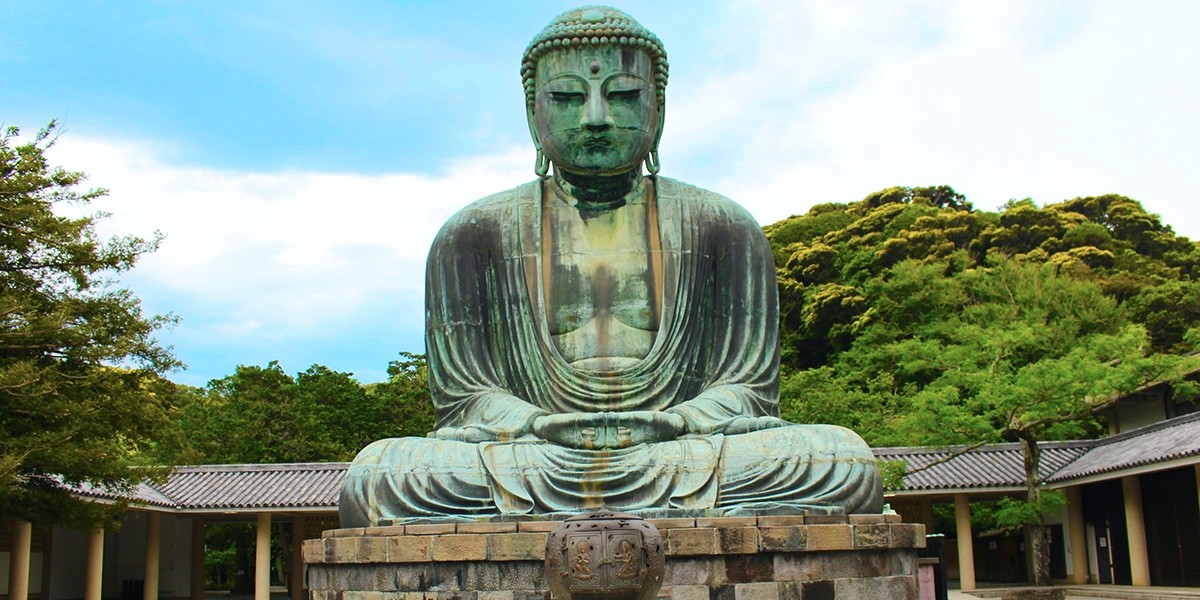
753,451
808,468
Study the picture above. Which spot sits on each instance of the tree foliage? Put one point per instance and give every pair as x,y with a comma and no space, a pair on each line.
80,372
264,415
916,320
827,257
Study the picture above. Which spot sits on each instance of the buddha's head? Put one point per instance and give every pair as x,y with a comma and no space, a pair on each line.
595,83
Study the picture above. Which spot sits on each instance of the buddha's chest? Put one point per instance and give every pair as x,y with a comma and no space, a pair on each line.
600,287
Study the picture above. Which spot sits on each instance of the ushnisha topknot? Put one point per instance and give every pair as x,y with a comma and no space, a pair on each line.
594,25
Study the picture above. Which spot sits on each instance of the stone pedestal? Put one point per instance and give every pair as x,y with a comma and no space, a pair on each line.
733,558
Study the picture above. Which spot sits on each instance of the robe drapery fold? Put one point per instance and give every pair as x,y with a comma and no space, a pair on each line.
492,363
494,368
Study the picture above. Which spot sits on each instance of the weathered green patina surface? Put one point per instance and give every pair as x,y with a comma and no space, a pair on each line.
600,336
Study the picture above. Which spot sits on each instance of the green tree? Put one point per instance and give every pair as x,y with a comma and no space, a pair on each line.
264,415
404,398
251,416
80,371
1005,352
827,257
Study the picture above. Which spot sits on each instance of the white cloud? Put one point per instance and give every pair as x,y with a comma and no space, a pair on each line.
280,253
999,100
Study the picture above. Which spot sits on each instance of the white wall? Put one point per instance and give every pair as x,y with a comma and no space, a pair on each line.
1132,416
125,555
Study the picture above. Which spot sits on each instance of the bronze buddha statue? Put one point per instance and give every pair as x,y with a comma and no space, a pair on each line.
601,335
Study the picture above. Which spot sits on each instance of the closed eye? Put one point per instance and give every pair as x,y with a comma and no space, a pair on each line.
625,95
566,96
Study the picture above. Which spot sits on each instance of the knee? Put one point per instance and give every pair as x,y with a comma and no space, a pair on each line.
805,441
373,453
412,455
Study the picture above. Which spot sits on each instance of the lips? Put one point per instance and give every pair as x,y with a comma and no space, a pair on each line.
593,142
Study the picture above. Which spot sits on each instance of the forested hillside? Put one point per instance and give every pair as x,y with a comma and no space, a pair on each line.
914,318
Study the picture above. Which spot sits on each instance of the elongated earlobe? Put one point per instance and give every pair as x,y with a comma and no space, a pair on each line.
652,165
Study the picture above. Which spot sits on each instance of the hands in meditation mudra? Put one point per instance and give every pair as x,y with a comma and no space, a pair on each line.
604,337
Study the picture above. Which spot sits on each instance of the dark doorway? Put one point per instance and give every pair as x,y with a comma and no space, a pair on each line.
1104,510
1172,515
1058,552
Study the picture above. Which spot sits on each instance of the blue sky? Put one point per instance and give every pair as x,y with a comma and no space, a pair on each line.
299,156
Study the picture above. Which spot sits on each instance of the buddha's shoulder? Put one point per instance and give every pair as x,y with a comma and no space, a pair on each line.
508,200
710,206
491,210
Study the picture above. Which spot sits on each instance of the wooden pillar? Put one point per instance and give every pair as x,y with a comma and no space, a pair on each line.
966,551
18,560
1135,525
197,558
296,567
1077,545
93,577
150,592
262,558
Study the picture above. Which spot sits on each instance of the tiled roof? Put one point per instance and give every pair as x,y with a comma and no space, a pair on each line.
236,487
144,493
293,485
991,466
1156,443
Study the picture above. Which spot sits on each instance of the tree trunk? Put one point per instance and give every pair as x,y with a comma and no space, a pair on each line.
1039,542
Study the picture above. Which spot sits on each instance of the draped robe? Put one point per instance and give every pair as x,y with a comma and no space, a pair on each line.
493,367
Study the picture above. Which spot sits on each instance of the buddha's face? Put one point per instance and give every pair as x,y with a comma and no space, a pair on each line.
595,111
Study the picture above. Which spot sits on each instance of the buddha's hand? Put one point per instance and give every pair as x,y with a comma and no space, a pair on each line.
646,426
749,424
601,430
473,435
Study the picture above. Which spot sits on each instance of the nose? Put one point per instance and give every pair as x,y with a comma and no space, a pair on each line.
596,117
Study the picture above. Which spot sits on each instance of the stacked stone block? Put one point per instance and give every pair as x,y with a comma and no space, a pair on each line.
727,558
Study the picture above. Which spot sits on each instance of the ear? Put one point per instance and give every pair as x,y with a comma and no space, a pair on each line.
541,166
537,143
662,120
652,163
